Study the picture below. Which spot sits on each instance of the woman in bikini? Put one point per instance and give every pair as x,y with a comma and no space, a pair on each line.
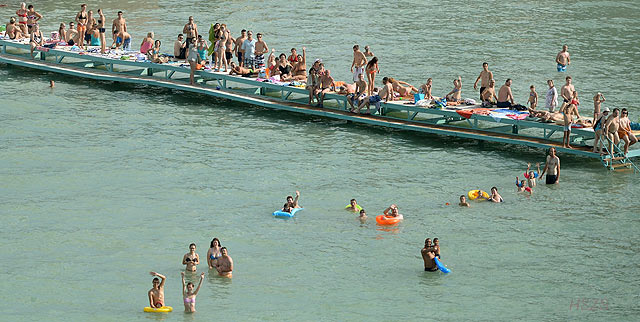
154,54
32,18
221,48
284,68
81,20
22,19
13,31
189,295
36,39
101,30
456,94
624,131
299,70
213,253
426,89
147,43
191,259
403,91
272,63
372,69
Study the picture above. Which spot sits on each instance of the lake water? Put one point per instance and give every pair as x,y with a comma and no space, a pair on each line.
102,182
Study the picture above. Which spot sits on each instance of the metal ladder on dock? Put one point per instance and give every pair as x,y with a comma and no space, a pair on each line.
617,160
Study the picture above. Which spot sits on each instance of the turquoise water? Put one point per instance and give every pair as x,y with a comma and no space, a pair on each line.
102,182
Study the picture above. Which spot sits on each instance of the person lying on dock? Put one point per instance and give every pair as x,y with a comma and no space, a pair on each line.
326,83
495,196
402,90
456,93
293,203
13,31
463,202
358,94
393,211
489,97
505,97
386,94
531,175
242,71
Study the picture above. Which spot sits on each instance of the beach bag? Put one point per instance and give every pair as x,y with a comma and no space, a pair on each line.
440,103
518,107
418,97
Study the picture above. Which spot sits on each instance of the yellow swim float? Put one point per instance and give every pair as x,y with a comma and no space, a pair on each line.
164,309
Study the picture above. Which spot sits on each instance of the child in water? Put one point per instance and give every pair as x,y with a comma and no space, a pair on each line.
463,202
353,206
363,216
532,175
521,186
436,247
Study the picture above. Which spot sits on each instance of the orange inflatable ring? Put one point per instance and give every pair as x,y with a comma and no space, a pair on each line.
384,220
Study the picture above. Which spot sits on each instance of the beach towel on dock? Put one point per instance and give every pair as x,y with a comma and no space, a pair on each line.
467,113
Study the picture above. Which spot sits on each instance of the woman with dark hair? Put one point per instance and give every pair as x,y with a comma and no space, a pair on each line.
372,69
299,70
154,54
213,253
284,68
189,295
191,259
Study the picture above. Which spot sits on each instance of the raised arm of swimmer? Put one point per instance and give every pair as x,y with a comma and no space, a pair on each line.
162,278
295,201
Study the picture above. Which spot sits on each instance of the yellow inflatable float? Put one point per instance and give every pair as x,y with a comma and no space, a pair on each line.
474,194
164,309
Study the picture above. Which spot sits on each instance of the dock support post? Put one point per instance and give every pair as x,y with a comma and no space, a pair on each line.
43,56
514,129
4,49
149,71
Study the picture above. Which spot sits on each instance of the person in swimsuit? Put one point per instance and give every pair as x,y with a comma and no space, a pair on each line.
202,49
81,20
436,246
598,99
95,35
13,31
154,54
192,58
485,76
229,45
313,80
372,69
294,202
224,264
189,295
359,93
91,24
386,94
32,18
260,51
353,206
568,113
156,293
190,30
36,39
495,196
71,36
463,202
566,92
456,93
489,98
505,97
284,68
326,84
237,48
552,168
293,58
221,49
531,176
101,31
147,43
368,52
299,70
598,127
624,131
118,28
62,32
533,98
242,71
402,90
428,256
22,19
563,59
191,259
359,61
611,127
213,253
362,216
392,211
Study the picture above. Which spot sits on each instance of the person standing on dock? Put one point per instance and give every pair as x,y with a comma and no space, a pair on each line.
485,76
567,93
237,49
359,60
249,50
261,49
611,127
22,19
624,131
563,59
598,99
551,99
505,97
118,27
190,30
101,30
552,167
81,20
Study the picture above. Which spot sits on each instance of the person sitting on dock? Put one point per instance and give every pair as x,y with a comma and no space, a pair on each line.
293,203
358,94
313,80
242,71
284,68
505,97
426,89
71,36
531,176
624,131
456,93
485,76
13,31
386,94
552,167
495,196
489,97
180,48
299,70
147,43
154,54
326,84
392,211
36,39
463,201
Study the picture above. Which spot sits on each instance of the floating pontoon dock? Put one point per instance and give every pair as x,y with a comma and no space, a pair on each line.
401,114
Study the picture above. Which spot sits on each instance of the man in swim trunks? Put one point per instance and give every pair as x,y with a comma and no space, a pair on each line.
551,99
190,30
72,36
12,30
241,71
118,27
485,76
359,93
229,46
261,49
237,49
552,167
495,196
624,131
386,94
488,94
567,93
428,256
563,59
156,293
224,264
611,127
326,84
180,48
359,60
293,203
248,50
505,97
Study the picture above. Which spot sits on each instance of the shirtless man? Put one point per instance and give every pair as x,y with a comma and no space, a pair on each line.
386,94
428,256
241,71
229,46
224,264
156,293
326,83
180,48
566,92
463,201
237,49
488,94
368,52
190,30
624,131
12,30
72,37
505,97
495,196
567,114
359,60
393,211
118,27
563,59
611,127
82,21
261,49
598,99
486,76
552,168
360,89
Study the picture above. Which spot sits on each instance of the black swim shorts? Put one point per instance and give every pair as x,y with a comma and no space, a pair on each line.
435,269
551,179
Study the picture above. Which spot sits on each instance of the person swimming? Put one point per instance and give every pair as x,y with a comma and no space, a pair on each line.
293,203
362,216
436,247
213,253
191,259
393,211
189,295
463,202
531,176
156,293
495,196
354,206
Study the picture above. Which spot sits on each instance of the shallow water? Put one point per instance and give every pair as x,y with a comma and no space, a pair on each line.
102,183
